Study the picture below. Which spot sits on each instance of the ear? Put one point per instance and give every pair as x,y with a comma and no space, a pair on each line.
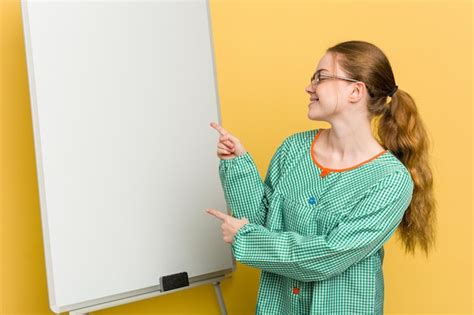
358,92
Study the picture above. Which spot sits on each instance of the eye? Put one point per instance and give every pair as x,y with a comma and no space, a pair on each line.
318,77
321,77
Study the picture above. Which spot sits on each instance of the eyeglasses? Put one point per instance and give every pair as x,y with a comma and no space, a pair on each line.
317,78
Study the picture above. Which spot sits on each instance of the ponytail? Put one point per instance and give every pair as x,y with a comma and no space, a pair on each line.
402,131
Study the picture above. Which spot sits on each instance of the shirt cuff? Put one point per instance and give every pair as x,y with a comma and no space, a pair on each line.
237,245
237,160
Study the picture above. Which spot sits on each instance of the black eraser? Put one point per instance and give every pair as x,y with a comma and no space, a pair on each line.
174,281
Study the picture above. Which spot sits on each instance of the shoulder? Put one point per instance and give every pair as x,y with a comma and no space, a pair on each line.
397,176
392,165
396,181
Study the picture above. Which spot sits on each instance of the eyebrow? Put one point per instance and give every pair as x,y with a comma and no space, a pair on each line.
321,70
314,74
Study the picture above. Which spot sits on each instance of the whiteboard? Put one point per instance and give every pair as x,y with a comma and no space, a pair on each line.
122,94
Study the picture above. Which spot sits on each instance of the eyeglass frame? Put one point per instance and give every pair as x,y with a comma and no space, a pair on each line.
318,74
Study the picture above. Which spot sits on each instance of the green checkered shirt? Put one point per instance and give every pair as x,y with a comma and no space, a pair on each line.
318,240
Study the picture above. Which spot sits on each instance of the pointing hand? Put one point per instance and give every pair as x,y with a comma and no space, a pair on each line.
230,225
228,146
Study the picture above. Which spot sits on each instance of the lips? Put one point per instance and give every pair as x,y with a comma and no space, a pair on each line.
312,101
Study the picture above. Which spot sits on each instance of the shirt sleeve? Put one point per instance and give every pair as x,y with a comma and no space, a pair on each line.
359,234
245,193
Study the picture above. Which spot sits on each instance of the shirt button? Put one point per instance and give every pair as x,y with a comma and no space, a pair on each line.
312,200
296,290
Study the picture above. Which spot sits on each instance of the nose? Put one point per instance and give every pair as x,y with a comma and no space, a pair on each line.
309,89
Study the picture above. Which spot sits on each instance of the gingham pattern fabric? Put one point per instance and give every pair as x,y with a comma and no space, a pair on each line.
318,240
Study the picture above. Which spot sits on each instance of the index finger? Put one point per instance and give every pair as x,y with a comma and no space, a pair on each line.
219,128
217,213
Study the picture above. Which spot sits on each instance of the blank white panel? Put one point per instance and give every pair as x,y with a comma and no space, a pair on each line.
122,96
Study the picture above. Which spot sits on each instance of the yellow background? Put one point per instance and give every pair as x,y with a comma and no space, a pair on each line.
265,54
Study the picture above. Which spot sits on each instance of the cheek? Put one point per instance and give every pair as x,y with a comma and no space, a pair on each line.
327,99
324,101
322,95
327,93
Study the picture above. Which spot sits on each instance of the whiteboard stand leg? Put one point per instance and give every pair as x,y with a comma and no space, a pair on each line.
220,298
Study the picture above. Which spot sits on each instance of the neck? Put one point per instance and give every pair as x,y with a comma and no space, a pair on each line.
350,141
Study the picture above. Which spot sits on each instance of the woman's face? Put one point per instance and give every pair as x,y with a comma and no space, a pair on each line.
328,98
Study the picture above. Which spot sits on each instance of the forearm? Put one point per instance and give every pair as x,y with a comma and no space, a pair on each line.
243,188
304,258
277,252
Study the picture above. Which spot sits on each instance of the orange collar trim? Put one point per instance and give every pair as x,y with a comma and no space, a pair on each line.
325,170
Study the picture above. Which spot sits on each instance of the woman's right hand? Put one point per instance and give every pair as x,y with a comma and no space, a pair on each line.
228,146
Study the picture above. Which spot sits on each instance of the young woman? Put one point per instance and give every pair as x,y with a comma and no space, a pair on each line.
332,197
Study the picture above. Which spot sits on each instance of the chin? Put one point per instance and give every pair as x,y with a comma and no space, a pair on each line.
312,117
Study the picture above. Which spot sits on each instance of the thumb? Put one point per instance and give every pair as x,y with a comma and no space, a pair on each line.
232,138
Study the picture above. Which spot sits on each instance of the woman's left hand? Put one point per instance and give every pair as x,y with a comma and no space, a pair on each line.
230,225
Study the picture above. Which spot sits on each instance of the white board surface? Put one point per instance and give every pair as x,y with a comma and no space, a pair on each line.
122,94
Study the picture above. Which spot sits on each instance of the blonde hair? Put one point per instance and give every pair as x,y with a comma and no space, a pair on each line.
400,129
